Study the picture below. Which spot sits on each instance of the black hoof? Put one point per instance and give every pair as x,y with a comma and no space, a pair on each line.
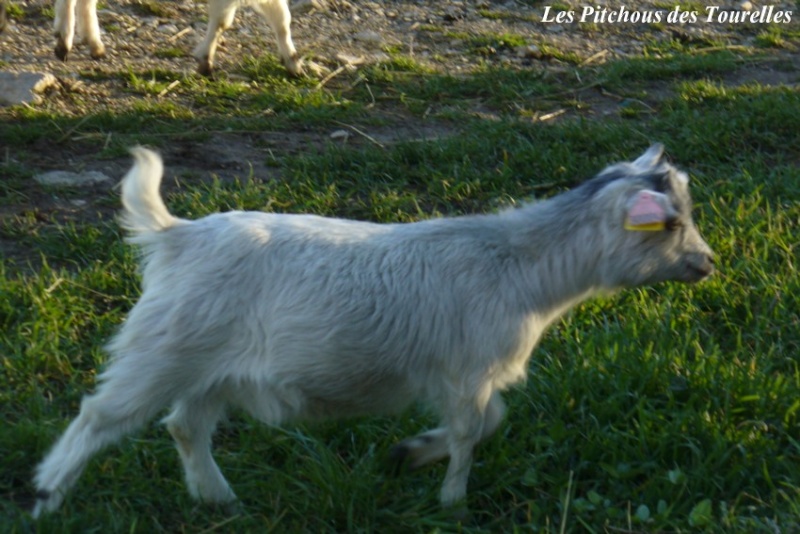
398,461
204,68
61,51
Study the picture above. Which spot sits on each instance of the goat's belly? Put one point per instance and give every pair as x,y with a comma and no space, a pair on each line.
311,399
347,395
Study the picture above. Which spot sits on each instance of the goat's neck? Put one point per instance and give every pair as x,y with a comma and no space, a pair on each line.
561,249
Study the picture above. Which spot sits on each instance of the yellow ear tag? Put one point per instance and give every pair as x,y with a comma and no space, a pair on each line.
645,227
646,214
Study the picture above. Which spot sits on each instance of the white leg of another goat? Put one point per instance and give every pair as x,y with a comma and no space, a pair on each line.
279,18
88,28
191,424
64,27
220,17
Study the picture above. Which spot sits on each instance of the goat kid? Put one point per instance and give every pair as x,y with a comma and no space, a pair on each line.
83,15
299,316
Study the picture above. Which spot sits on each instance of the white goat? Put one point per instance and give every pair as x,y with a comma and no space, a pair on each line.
220,18
299,316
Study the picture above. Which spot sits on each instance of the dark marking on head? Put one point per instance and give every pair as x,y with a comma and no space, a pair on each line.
662,178
657,179
42,495
594,185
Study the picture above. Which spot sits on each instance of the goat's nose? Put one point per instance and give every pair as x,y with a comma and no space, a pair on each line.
702,266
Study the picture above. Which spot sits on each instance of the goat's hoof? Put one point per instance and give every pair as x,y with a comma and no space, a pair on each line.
98,52
459,512
232,508
61,50
46,501
295,66
398,461
461,515
204,68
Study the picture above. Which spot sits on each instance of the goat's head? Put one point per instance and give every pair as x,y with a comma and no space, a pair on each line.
650,235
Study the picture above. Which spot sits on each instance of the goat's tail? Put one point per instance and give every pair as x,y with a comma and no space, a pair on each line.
144,209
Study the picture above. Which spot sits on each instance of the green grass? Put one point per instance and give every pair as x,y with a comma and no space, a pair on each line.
487,44
14,11
667,409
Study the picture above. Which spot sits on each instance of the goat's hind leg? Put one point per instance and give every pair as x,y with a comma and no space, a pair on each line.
125,400
191,424
433,445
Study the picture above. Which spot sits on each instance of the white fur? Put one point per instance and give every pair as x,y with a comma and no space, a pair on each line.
299,316
83,14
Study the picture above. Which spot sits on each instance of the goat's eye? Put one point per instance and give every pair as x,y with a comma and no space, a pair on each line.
673,224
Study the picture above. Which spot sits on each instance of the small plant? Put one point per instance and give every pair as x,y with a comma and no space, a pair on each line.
151,8
778,37
15,11
489,44
169,52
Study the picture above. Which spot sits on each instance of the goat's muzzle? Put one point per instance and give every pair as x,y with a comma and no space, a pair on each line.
698,267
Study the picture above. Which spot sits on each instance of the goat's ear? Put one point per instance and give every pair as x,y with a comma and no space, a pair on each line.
648,211
650,158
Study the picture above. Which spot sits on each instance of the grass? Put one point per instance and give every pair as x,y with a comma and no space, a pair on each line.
673,408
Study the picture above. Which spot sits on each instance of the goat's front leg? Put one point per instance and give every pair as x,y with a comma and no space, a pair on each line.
468,421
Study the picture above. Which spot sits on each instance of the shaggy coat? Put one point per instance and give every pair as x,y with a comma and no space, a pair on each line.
299,316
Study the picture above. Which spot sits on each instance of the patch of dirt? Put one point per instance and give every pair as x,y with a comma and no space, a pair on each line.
141,36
